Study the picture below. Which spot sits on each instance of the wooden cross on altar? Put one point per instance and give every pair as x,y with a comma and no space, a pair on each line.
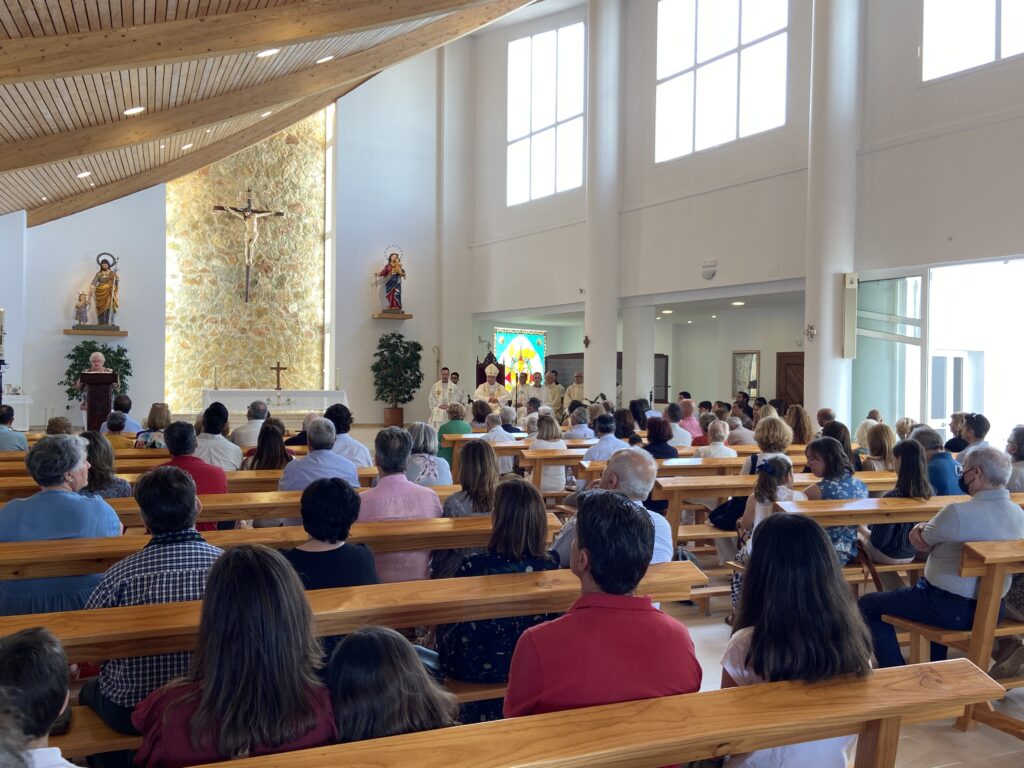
250,216
278,368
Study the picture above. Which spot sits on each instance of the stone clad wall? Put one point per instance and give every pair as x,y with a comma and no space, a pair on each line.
208,323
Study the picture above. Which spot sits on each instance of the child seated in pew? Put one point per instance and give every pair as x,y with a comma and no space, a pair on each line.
797,620
774,483
252,687
889,543
481,651
828,460
379,687
34,671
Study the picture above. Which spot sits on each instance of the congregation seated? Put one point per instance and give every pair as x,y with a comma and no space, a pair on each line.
875,415
456,425
631,472
211,444
396,498
262,697
718,435
270,451
344,444
943,471
799,421
508,417
593,411
904,426
481,651
103,481
689,420
480,411
789,553
973,432
861,437
659,437
829,462
59,465
158,420
425,466
638,410
549,438
578,427
839,431
329,506
823,417
34,671
123,404
625,426
765,411
478,476
607,443
180,437
59,425
704,421
321,461
9,439
956,443
379,688
680,437
114,432
739,432
530,408
299,438
889,543
172,568
943,597
495,434
773,436
611,645
255,415
881,441
570,409
1015,449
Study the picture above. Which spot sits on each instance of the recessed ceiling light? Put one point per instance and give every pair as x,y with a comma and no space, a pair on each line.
714,317
186,146
134,110
657,318
161,146
268,113
91,184
209,129
84,174
324,60
689,322
738,303
267,53
666,311
44,198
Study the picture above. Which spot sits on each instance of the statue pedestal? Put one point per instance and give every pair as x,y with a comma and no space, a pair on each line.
95,330
391,316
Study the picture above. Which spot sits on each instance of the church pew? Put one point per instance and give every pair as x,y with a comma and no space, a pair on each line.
74,557
793,451
991,562
647,733
120,454
676,489
536,461
133,466
143,630
455,442
591,470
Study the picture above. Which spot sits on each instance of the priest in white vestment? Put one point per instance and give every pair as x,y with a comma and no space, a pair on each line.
555,394
491,392
442,394
533,390
574,391
519,396
460,393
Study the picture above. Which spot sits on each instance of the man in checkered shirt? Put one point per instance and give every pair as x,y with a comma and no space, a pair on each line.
172,567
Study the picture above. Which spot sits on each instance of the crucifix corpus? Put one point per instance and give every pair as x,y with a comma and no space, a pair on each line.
250,217
278,368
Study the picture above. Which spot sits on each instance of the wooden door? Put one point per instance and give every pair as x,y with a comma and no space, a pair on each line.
789,377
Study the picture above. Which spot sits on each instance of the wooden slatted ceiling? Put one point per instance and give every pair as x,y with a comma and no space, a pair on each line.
32,109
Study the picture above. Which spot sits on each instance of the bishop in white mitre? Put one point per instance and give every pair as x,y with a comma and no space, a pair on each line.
491,392
442,394
574,391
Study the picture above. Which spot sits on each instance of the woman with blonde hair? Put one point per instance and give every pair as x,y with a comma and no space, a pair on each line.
799,420
158,420
549,438
861,436
904,426
881,440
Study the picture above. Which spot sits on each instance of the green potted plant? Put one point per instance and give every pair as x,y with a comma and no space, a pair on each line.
116,359
396,374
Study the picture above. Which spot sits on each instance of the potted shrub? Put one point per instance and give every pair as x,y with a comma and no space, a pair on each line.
396,374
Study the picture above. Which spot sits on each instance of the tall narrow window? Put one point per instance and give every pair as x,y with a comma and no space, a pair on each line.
962,34
721,72
545,114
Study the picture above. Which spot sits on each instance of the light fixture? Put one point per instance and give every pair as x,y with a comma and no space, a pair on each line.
91,184
186,146
714,317
268,113
325,59
134,111
161,146
666,311
657,318
689,322
267,53
209,129
44,198
738,303
84,174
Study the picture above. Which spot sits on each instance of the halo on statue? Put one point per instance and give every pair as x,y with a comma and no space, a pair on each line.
112,260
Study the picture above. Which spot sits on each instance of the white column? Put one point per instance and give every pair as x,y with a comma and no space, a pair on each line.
12,298
604,90
637,352
831,197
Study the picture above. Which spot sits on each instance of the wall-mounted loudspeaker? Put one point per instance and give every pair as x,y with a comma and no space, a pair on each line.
850,280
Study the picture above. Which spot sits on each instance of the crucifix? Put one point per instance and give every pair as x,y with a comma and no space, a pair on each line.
250,216
278,368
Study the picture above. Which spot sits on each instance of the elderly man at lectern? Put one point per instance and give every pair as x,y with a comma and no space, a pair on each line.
97,364
491,392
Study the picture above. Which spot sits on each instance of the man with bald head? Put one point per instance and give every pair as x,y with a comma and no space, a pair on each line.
825,415
631,472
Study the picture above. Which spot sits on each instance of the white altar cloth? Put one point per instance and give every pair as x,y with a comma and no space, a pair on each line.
21,404
284,400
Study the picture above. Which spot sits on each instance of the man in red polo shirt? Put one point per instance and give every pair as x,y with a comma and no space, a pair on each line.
180,438
611,645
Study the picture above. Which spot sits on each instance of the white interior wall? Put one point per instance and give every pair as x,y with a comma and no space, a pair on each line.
12,295
60,261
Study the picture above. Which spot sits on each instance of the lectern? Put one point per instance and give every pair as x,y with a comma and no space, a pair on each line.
98,396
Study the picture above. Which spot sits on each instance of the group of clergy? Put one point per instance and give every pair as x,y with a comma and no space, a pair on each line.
546,389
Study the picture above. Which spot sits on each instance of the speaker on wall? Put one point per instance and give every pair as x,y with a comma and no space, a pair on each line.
850,281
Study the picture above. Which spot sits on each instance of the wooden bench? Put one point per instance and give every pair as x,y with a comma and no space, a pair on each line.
991,562
676,729
536,461
121,454
688,467
149,629
455,442
74,557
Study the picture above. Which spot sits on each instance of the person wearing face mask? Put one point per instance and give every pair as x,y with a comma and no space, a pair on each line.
943,597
